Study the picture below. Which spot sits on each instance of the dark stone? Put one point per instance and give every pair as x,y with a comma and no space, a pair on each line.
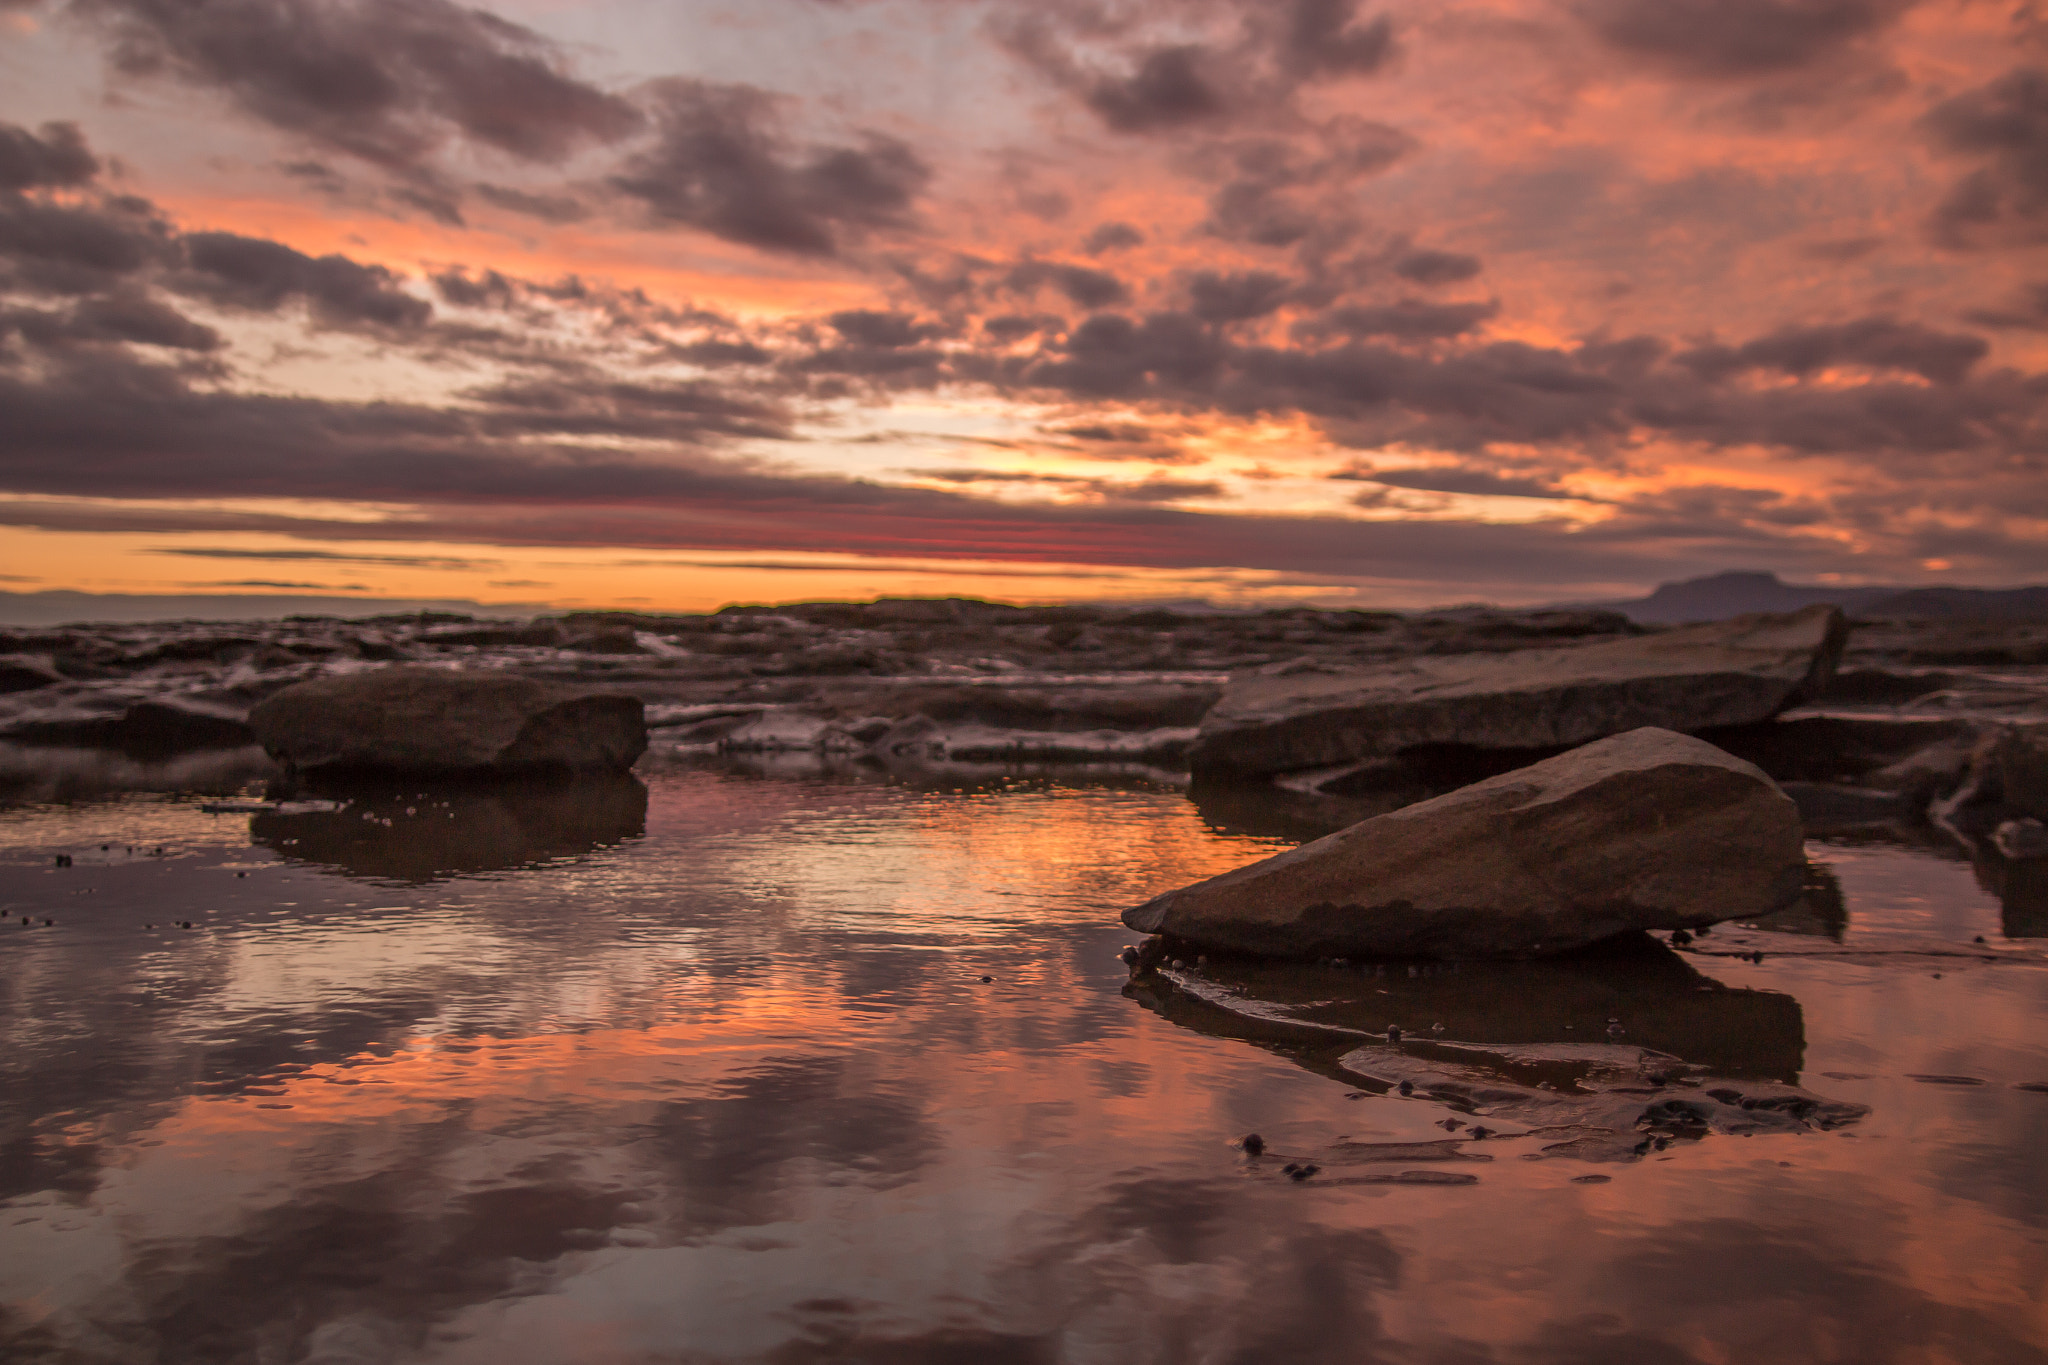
25,673
148,731
1647,830
1735,672
431,721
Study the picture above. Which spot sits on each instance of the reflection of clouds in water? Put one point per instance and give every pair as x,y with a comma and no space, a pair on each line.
735,1091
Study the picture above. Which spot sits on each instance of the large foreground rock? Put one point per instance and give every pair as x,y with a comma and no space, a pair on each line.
1733,672
431,721
1647,830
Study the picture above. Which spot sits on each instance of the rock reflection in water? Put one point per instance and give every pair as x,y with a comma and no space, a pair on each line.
2021,885
1821,910
1656,998
1609,1056
419,833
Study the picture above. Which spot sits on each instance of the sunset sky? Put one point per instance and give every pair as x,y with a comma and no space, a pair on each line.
672,303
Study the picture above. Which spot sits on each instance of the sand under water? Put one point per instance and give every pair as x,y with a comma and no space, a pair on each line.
784,1063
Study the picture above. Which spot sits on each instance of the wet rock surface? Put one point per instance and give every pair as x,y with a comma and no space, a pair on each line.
1735,672
928,687
146,731
1647,830
432,721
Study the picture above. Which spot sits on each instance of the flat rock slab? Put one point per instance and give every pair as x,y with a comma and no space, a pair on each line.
1734,672
429,721
1647,830
147,731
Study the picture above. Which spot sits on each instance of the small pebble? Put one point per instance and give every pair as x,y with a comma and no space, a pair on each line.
1406,1087
1252,1143
1591,1179
1481,1132
986,980
1179,965
63,860
1393,1033
1680,938
1436,1028
241,874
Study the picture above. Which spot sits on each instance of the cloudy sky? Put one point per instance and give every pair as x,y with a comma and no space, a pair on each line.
681,302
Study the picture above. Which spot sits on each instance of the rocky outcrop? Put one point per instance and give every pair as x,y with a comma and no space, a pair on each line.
432,721
148,731
25,673
1734,672
1647,830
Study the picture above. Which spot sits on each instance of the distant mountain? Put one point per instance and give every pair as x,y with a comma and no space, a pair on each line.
59,608
1732,594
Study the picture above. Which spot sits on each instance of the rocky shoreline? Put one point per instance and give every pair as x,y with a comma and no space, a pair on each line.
1868,725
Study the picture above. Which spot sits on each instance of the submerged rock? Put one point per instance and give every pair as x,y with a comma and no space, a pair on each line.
428,721
1647,830
1734,672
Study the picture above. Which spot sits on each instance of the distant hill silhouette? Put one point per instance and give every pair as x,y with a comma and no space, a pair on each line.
1731,594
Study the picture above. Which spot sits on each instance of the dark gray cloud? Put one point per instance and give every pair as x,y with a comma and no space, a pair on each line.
1300,192
1084,285
884,330
324,557
549,208
80,248
255,273
1457,479
1112,237
1326,38
721,163
1166,89
2027,311
1881,343
384,80
127,316
1235,297
1437,267
58,157
1738,39
1405,319
1114,62
2004,202
1145,491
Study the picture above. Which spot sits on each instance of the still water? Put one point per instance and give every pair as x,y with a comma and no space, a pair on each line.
738,1067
